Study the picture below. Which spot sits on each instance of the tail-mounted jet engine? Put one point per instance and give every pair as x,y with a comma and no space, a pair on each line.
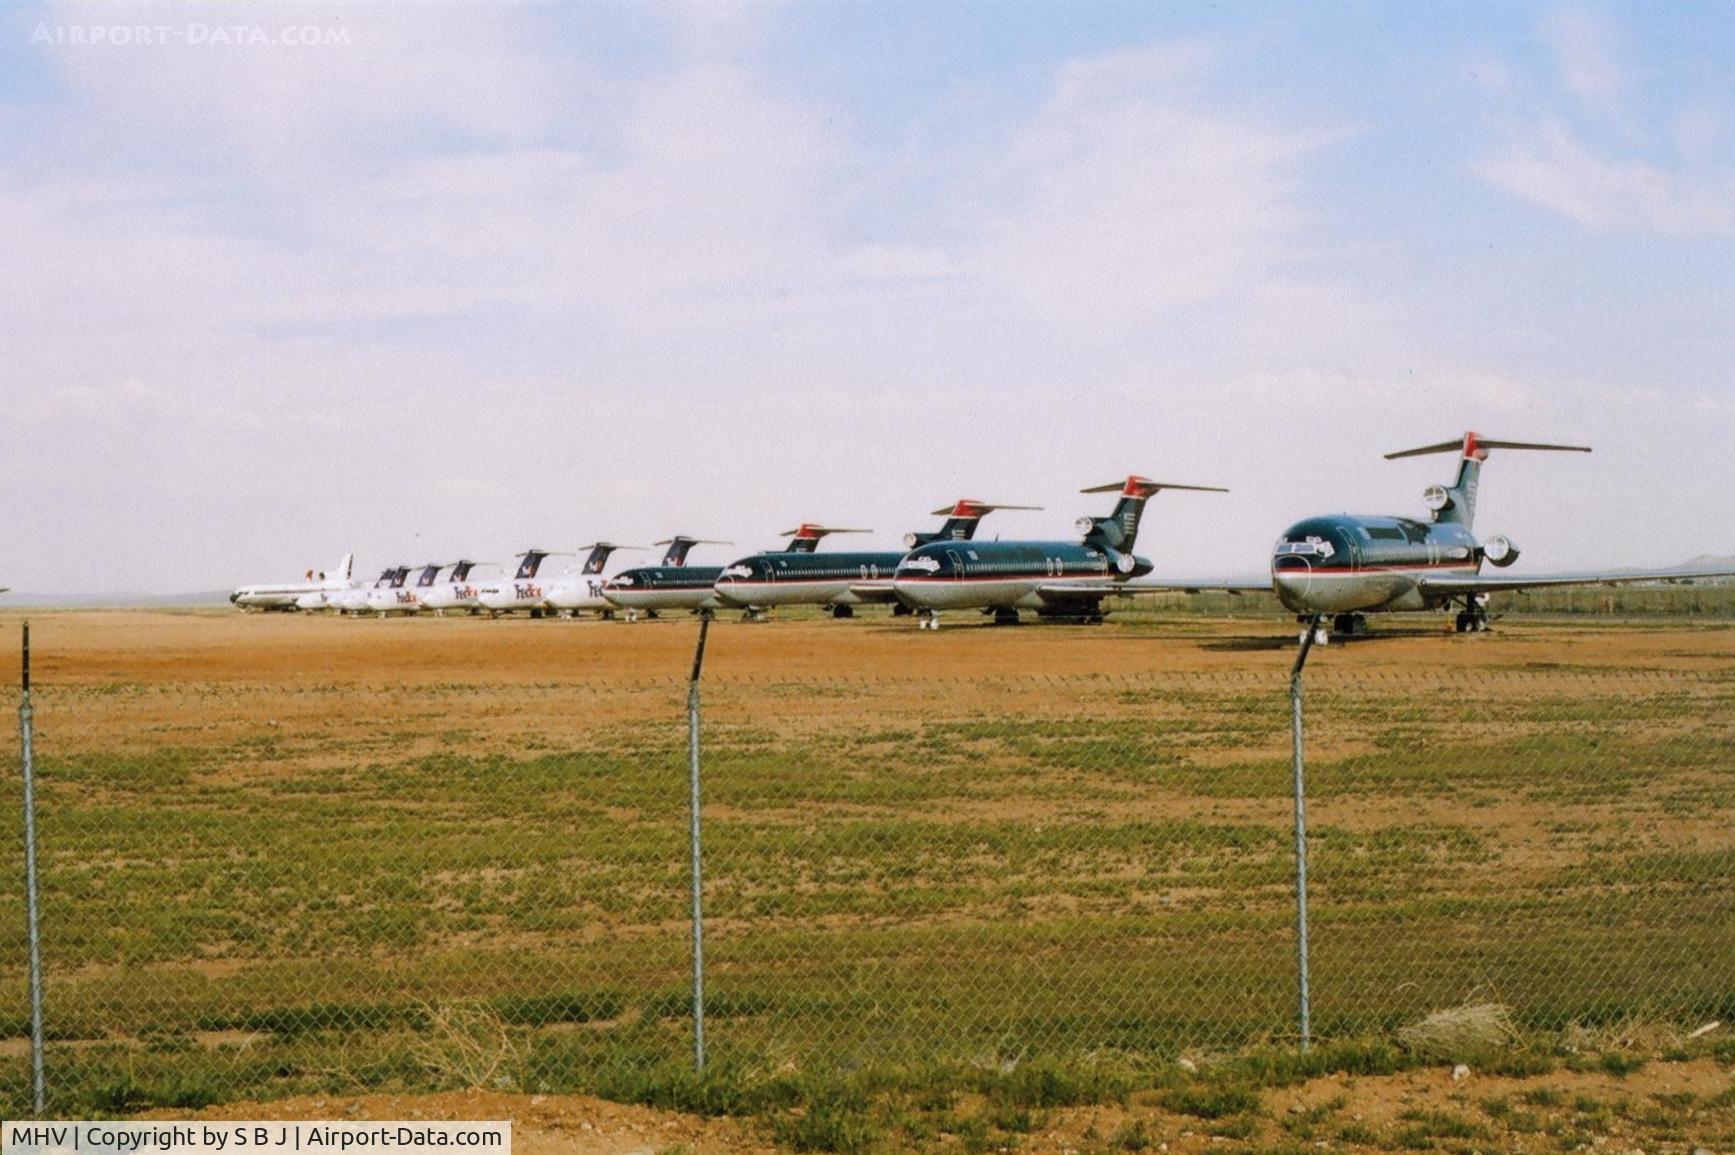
1500,551
1437,498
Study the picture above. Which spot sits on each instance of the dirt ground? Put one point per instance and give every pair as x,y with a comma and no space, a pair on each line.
142,646
586,1126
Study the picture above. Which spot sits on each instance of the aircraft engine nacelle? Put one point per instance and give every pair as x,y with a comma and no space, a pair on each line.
1500,551
1437,498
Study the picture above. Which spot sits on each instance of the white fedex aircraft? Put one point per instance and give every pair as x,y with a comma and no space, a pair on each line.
398,596
582,588
353,598
522,592
457,592
290,595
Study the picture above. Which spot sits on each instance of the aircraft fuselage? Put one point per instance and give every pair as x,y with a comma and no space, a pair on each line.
1354,564
1010,574
666,588
820,579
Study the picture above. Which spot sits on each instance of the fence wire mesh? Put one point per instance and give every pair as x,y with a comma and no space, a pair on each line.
252,889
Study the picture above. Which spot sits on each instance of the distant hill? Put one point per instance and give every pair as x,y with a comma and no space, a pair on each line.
1710,561
24,600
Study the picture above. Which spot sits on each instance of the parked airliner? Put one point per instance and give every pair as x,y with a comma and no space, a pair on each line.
1065,580
522,592
398,596
582,589
841,581
457,592
353,598
288,595
672,585
1345,566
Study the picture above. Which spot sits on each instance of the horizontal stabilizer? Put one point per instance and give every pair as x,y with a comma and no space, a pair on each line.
1476,446
807,530
1144,487
970,508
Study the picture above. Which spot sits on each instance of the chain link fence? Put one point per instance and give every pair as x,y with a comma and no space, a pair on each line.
253,889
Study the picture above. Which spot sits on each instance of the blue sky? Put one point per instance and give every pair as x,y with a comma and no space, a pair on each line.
470,279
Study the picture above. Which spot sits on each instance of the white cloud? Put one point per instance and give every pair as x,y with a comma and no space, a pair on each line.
1123,201
1584,46
1553,169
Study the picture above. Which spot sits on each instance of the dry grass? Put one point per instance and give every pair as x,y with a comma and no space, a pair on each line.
1460,1031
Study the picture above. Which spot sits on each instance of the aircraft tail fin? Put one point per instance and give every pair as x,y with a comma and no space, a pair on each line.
532,561
599,555
962,519
344,570
1456,503
805,537
676,555
1120,529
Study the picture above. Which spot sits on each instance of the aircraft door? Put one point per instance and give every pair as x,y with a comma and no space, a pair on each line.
957,563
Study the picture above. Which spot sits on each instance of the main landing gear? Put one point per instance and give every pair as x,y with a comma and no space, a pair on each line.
842,611
1473,618
1342,625
1005,616
1472,621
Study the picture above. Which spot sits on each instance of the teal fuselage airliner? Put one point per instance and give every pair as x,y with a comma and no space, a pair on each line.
840,581
672,585
1063,580
1341,567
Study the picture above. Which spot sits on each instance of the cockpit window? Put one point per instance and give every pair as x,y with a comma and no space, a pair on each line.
1311,546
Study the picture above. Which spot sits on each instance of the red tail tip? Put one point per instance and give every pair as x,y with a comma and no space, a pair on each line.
1473,449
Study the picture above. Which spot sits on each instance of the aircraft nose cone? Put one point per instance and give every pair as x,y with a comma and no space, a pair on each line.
725,588
1293,579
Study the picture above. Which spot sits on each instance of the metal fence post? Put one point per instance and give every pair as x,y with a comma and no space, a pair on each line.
1301,832
698,890
31,907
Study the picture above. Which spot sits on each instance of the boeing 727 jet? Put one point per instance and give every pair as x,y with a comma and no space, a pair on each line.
1065,580
582,590
673,585
522,592
457,592
1345,566
313,590
842,581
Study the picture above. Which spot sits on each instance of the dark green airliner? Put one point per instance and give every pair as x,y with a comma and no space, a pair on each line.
840,581
1342,567
1061,580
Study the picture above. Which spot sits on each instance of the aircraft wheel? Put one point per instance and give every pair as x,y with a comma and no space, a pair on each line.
1349,625
650,614
843,611
1005,617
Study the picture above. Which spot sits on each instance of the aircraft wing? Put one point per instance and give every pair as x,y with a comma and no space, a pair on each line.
1233,585
1493,583
874,592
1063,590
